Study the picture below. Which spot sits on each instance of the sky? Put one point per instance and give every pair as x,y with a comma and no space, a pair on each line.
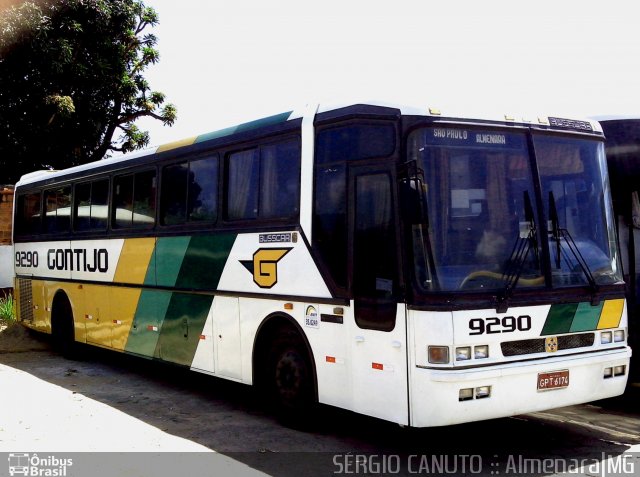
224,62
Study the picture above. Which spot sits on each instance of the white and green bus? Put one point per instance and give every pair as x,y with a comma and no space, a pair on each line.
418,266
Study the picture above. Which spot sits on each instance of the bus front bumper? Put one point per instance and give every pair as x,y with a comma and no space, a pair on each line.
451,396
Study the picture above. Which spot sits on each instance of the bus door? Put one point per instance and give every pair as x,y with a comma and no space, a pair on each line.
378,349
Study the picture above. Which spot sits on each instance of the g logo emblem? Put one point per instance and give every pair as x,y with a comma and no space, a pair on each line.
264,265
551,344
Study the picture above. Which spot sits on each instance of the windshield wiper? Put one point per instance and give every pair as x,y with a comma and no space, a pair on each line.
527,240
558,234
418,214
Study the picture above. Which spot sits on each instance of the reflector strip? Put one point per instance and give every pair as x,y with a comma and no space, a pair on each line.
152,328
330,359
379,366
203,337
117,322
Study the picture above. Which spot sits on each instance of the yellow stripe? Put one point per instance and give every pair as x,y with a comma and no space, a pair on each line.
123,308
173,145
611,314
134,260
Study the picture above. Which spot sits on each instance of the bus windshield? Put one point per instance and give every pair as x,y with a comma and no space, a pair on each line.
577,199
480,228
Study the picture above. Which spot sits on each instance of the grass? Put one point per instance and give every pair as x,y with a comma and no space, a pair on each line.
7,314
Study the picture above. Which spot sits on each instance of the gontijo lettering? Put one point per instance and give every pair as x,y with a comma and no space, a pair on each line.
78,259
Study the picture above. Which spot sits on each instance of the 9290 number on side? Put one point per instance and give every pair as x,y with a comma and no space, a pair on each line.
506,324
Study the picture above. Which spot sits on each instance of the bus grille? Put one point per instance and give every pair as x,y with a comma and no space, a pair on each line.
26,300
517,348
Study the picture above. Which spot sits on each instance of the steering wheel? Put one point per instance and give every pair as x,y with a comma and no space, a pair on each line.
487,277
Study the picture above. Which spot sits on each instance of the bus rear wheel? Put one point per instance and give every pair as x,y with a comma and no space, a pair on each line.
62,327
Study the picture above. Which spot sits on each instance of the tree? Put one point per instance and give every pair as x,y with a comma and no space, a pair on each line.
72,84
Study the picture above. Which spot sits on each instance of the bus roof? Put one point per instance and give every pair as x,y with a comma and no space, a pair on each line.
338,108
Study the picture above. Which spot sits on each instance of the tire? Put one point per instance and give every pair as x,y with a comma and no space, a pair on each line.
290,380
62,328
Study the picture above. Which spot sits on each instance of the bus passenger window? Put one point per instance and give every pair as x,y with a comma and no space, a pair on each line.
123,201
190,192
174,194
28,214
57,217
202,203
280,180
91,205
99,204
82,207
134,198
264,182
242,185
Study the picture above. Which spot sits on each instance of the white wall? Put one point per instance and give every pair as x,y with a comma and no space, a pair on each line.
6,266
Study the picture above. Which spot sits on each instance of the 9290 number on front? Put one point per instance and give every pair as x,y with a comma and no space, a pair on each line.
506,324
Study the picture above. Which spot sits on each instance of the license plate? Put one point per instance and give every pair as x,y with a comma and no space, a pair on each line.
553,380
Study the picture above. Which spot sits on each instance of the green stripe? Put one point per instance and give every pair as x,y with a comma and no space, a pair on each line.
151,310
587,317
182,327
204,261
169,256
559,319
193,263
275,119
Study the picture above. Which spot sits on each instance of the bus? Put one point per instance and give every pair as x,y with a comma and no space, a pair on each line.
421,267
622,147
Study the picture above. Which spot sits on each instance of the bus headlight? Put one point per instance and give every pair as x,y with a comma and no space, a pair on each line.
463,353
438,354
481,352
605,337
618,336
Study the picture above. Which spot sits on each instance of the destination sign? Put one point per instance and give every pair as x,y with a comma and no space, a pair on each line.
474,138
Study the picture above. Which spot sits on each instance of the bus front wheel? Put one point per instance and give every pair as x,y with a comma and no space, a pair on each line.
290,378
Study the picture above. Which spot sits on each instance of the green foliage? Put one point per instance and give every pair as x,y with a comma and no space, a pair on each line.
7,314
72,83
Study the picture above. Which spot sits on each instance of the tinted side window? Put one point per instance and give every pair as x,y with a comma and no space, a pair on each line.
190,192
91,205
202,202
57,217
174,194
264,182
134,199
280,180
335,147
99,204
330,220
28,214
82,207
356,141
242,185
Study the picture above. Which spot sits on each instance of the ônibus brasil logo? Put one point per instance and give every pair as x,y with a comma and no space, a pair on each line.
34,465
